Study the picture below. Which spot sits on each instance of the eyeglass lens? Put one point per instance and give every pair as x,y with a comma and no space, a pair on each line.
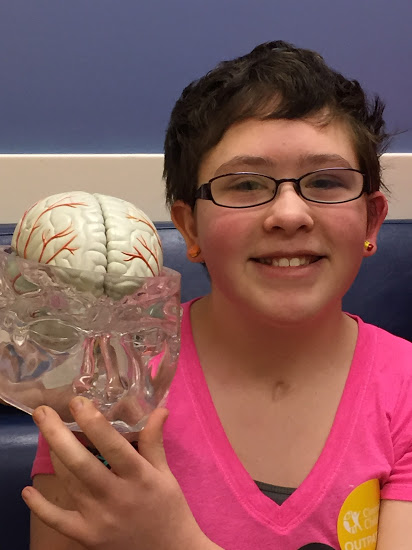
249,189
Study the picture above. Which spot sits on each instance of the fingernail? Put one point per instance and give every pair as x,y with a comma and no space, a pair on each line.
77,404
39,414
26,493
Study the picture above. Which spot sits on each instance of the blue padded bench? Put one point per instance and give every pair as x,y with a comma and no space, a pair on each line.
381,294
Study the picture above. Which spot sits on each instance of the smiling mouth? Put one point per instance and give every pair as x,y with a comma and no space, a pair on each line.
295,261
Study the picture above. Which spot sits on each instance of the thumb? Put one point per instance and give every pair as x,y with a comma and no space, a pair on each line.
150,440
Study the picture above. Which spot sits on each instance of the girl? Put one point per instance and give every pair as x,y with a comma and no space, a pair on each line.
289,421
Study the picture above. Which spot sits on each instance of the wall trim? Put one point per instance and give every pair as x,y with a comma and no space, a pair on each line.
138,179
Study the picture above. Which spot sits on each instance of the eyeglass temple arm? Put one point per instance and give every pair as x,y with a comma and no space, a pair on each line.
203,192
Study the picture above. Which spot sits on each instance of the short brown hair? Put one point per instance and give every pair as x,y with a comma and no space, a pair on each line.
275,80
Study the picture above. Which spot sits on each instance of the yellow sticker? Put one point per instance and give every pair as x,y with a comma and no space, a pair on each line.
359,516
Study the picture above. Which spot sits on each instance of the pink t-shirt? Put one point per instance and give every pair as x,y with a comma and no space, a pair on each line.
367,457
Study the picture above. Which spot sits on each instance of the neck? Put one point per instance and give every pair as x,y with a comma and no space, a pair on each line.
265,349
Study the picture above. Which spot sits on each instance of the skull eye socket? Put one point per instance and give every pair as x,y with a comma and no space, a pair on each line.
54,335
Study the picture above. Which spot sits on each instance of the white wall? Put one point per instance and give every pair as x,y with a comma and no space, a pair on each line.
136,178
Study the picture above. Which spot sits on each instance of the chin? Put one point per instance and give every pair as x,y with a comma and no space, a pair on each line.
287,313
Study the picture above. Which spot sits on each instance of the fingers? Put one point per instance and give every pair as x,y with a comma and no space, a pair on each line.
118,452
69,451
150,439
69,523
74,487
122,457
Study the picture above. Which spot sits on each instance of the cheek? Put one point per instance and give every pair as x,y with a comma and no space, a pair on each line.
349,225
223,235
349,238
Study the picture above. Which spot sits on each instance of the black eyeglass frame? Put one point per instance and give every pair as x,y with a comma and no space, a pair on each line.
205,192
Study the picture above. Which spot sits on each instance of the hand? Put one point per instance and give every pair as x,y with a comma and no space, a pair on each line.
137,505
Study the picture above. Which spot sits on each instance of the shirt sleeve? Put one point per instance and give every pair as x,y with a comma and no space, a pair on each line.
42,462
399,484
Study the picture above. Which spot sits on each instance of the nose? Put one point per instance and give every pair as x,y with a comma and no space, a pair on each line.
288,211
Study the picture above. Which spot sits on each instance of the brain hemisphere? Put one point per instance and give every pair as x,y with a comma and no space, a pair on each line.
133,245
93,234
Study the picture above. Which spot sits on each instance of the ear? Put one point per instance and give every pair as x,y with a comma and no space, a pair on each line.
377,210
184,220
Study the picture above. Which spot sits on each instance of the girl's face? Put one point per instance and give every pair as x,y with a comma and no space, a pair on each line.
329,236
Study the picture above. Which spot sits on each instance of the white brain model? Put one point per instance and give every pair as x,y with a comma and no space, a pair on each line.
92,233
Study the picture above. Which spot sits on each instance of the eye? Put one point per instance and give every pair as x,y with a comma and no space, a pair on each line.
247,184
324,182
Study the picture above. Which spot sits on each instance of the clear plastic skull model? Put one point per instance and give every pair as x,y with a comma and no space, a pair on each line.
86,308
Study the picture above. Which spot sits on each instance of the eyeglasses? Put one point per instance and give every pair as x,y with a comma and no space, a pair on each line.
247,189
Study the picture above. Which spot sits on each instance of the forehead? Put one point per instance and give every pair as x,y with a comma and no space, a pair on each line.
276,146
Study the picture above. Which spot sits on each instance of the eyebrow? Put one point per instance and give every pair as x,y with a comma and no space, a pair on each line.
312,159
325,158
246,161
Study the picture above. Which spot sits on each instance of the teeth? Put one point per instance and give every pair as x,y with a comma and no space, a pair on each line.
283,262
292,262
286,262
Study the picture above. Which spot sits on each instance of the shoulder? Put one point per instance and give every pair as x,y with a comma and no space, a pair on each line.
384,377
187,347
391,354
390,380
386,361
187,365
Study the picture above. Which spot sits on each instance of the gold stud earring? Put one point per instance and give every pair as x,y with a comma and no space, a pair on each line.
368,246
193,251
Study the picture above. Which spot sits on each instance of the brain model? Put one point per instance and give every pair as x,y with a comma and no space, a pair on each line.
100,318
90,233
